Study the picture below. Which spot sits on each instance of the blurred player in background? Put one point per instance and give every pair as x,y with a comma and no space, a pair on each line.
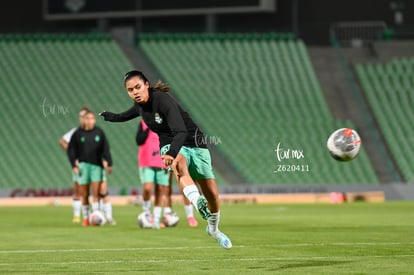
152,171
179,149
64,143
90,158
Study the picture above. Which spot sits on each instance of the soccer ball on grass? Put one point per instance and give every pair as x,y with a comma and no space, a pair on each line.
171,219
145,221
97,218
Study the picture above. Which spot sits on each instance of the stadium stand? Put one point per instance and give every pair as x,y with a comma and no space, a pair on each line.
389,89
45,81
251,92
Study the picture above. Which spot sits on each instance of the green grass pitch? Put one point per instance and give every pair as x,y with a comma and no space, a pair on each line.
358,238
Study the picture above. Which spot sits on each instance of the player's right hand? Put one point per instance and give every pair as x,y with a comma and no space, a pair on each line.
105,114
75,170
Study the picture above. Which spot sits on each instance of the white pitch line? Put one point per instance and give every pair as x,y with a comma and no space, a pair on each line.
255,259
103,249
75,250
346,244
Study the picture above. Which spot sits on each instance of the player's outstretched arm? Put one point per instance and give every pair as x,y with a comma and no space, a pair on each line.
129,114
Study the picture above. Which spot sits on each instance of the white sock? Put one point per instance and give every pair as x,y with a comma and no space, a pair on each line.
146,206
108,210
101,205
76,205
213,222
157,214
85,211
167,210
95,206
192,194
189,210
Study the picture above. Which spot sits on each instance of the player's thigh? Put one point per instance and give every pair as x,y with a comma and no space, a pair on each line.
181,161
95,188
180,166
161,177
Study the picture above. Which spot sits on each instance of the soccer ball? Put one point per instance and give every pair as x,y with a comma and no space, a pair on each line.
171,219
97,218
344,144
144,220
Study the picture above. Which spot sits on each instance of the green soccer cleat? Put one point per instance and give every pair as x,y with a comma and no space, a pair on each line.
202,207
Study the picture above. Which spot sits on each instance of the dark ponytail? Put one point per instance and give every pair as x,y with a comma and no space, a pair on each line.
160,86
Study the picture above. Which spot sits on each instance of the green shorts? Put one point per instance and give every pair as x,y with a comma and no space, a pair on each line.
155,175
89,172
198,161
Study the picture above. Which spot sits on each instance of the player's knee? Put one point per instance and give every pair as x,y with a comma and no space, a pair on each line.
103,195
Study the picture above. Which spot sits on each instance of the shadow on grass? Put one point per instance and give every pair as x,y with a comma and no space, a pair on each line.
312,263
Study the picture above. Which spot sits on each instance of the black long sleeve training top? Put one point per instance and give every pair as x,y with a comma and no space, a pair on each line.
164,116
89,146
141,135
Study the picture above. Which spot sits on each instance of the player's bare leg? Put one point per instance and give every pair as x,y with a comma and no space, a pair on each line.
84,190
188,207
146,197
161,193
76,202
105,204
95,195
188,186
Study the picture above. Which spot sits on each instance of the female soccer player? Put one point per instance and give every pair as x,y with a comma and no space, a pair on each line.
64,143
90,157
179,148
151,171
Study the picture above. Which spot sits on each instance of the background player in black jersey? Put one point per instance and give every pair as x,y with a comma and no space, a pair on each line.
90,157
64,143
178,135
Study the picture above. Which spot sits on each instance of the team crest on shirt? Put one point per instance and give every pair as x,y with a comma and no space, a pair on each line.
97,138
82,139
158,118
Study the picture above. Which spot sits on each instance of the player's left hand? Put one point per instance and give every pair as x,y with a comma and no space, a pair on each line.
108,170
168,160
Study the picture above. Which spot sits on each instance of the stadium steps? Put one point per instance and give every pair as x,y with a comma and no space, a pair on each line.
254,91
45,81
388,87
339,90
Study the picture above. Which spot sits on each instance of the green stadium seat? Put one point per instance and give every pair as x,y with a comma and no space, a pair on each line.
389,89
67,71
